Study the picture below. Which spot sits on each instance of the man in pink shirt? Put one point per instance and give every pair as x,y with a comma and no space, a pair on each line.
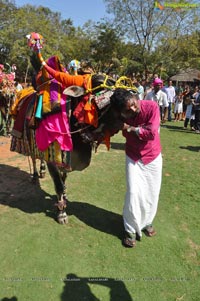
141,123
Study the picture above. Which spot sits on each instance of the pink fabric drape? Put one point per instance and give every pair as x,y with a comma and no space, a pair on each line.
55,127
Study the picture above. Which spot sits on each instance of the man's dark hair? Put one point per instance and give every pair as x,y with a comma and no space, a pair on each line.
120,97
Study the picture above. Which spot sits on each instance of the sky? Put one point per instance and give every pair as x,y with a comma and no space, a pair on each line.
79,11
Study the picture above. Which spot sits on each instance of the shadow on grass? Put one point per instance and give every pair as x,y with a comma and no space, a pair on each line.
191,148
17,191
115,145
177,129
77,288
97,218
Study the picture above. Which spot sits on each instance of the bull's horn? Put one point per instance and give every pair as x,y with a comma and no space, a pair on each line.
74,91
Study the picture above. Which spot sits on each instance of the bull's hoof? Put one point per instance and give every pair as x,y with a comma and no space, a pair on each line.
42,175
35,178
7,135
42,170
62,218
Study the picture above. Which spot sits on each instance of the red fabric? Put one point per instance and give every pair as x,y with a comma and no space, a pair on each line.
79,112
20,118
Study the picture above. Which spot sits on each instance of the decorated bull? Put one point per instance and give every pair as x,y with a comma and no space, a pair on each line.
62,118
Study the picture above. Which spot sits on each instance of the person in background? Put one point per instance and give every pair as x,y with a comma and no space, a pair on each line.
178,106
195,96
170,98
18,86
155,76
180,88
140,89
186,100
73,66
148,88
144,84
140,126
196,92
196,104
189,114
160,97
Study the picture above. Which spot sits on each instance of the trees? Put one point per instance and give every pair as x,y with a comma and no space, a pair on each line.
7,13
138,39
19,22
186,55
104,47
158,32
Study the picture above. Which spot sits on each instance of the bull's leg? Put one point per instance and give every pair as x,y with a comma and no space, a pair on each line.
7,122
2,126
9,118
60,192
1,122
42,169
35,176
8,126
64,177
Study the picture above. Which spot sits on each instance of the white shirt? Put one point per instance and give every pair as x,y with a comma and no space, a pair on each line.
19,87
140,89
171,94
160,97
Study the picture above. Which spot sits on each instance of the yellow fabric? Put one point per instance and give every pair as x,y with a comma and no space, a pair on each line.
46,104
19,97
53,153
43,81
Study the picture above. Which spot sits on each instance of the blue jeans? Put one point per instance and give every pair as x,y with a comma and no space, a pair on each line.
170,112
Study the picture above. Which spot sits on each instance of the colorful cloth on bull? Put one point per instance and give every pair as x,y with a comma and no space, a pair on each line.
52,154
26,98
51,109
85,112
49,89
19,98
55,127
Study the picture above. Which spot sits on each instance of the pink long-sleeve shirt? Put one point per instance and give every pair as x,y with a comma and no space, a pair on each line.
146,145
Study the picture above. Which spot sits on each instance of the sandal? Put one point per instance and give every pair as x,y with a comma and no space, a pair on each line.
149,231
129,240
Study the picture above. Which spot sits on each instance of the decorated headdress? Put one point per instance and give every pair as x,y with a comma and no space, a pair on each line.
35,40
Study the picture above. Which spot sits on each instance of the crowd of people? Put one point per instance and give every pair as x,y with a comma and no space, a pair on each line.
177,103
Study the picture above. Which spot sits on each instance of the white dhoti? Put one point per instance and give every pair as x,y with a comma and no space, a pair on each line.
143,189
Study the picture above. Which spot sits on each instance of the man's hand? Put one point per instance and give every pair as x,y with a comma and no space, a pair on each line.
126,126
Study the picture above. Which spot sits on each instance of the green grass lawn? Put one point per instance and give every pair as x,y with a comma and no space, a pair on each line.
41,260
